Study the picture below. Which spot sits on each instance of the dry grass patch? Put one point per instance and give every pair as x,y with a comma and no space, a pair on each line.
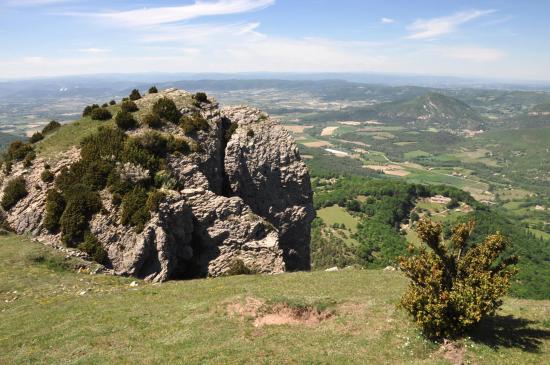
297,128
318,144
328,131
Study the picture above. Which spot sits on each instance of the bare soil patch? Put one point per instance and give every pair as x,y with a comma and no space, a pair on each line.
394,170
265,314
452,352
297,128
318,144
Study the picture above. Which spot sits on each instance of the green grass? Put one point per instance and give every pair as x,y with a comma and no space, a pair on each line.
415,154
336,214
53,316
186,322
70,135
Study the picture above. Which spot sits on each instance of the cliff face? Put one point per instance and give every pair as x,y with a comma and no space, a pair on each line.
244,197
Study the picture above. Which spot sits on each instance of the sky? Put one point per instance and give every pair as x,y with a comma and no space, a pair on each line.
504,40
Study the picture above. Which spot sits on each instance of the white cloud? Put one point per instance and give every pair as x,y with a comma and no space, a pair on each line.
387,20
163,15
200,34
435,27
473,54
33,2
95,50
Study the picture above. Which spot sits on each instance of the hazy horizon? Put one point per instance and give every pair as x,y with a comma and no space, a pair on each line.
488,40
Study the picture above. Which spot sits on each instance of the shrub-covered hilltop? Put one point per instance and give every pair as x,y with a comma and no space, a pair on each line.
370,221
164,185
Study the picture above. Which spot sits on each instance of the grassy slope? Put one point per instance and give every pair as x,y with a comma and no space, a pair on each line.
71,134
186,322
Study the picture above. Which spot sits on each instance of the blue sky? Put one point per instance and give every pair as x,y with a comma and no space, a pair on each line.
492,39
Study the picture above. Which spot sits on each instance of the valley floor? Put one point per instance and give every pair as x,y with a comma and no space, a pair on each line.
52,314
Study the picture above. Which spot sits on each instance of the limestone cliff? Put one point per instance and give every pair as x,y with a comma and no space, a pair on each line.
244,195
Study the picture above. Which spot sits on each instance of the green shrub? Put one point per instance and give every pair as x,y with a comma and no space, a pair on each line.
94,249
238,267
167,109
230,131
106,143
147,150
129,106
153,90
55,205
454,286
135,95
134,210
51,127
125,121
101,114
47,176
154,199
250,133
89,109
177,145
18,150
82,204
193,123
27,162
105,105
36,137
152,121
201,97
14,191
112,102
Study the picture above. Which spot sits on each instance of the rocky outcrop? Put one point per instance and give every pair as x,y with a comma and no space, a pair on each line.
242,200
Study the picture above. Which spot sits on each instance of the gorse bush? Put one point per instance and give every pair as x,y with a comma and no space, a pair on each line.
193,123
89,109
153,90
47,176
200,97
167,109
101,114
135,95
129,106
36,137
125,121
454,286
152,121
17,151
14,191
82,204
55,205
134,210
94,248
51,127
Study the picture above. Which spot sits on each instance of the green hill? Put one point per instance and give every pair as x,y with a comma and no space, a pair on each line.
51,314
432,110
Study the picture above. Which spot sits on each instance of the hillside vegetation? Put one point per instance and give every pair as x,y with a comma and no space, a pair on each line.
52,314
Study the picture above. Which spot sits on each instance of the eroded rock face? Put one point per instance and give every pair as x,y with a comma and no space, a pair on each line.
243,198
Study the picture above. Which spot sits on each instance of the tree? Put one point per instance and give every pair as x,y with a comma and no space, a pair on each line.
153,90
135,95
452,287
112,102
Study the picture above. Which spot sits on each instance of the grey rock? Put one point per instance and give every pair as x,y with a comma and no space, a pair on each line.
245,200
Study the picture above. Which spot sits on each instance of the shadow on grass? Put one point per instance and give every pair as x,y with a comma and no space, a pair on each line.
510,332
